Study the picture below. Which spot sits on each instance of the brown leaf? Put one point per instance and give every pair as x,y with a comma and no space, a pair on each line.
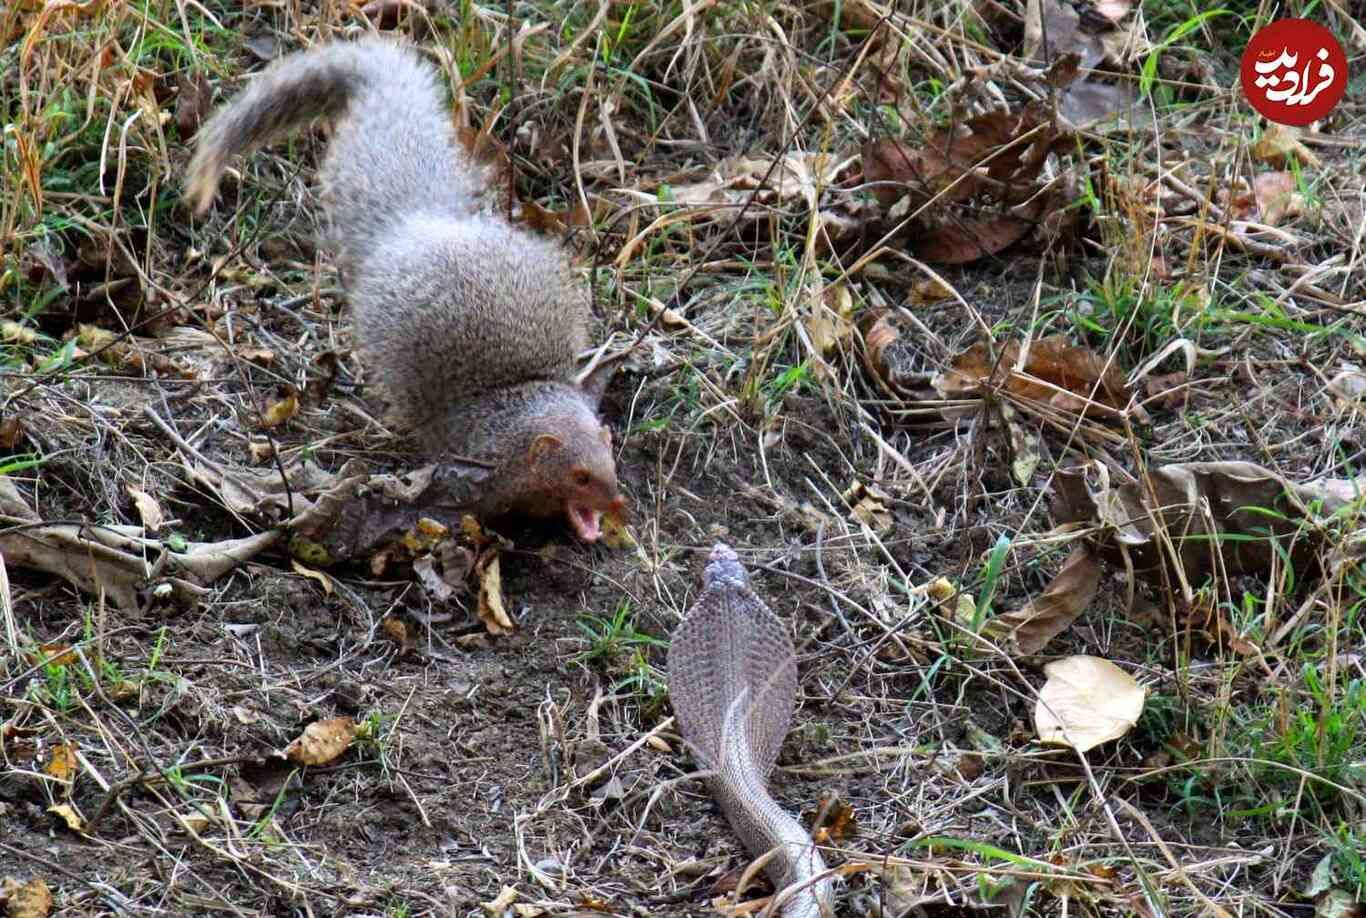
1053,611
1167,390
401,633
387,14
53,655
322,741
27,900
1087,102
1052,27
1225,516
869,506
1066,376
961,160
491,610
962,242
194,97
930,290
1279,144
829,325
444,570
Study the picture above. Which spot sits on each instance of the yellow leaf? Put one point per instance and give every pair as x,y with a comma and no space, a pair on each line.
491,609
73,820
323,580
28,900
614,534
62,764
281,410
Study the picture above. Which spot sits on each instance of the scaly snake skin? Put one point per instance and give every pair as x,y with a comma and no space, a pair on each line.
733,681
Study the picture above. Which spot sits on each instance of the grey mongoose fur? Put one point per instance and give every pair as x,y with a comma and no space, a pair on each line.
472,326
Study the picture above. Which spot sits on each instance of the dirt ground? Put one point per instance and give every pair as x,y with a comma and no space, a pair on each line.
538,772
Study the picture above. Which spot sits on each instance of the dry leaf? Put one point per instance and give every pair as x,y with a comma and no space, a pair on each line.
322,741
1052,612
1063,375
445,570
323,580
62,763
1247,516
1349,385
11,432
1085,702
491,609
893,357
54,655
930,290
614,533
282,409
830,323
148,509
1279,143
73,819
506,896
869,506
27,900
11,332
398,631
1272,200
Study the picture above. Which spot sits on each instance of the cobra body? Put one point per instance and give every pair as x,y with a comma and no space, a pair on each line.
733,681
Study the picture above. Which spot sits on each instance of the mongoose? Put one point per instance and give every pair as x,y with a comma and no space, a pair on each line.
471,325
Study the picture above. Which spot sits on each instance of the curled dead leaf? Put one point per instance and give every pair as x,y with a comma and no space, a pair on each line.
69,815
323,580
148,509
869,506
491,609
1197,517
830,323
1031,627
322,741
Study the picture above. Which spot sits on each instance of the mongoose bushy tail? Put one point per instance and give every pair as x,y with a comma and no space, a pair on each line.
470,325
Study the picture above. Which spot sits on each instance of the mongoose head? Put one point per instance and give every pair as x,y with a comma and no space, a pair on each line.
576,471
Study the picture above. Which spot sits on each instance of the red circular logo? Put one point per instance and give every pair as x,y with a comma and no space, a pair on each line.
1294,71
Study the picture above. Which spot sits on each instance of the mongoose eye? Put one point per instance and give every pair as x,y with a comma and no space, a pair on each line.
582,478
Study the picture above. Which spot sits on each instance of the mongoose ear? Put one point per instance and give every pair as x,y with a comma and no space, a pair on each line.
595,383
543,445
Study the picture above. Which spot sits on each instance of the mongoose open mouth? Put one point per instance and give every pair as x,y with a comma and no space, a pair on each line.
585,521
